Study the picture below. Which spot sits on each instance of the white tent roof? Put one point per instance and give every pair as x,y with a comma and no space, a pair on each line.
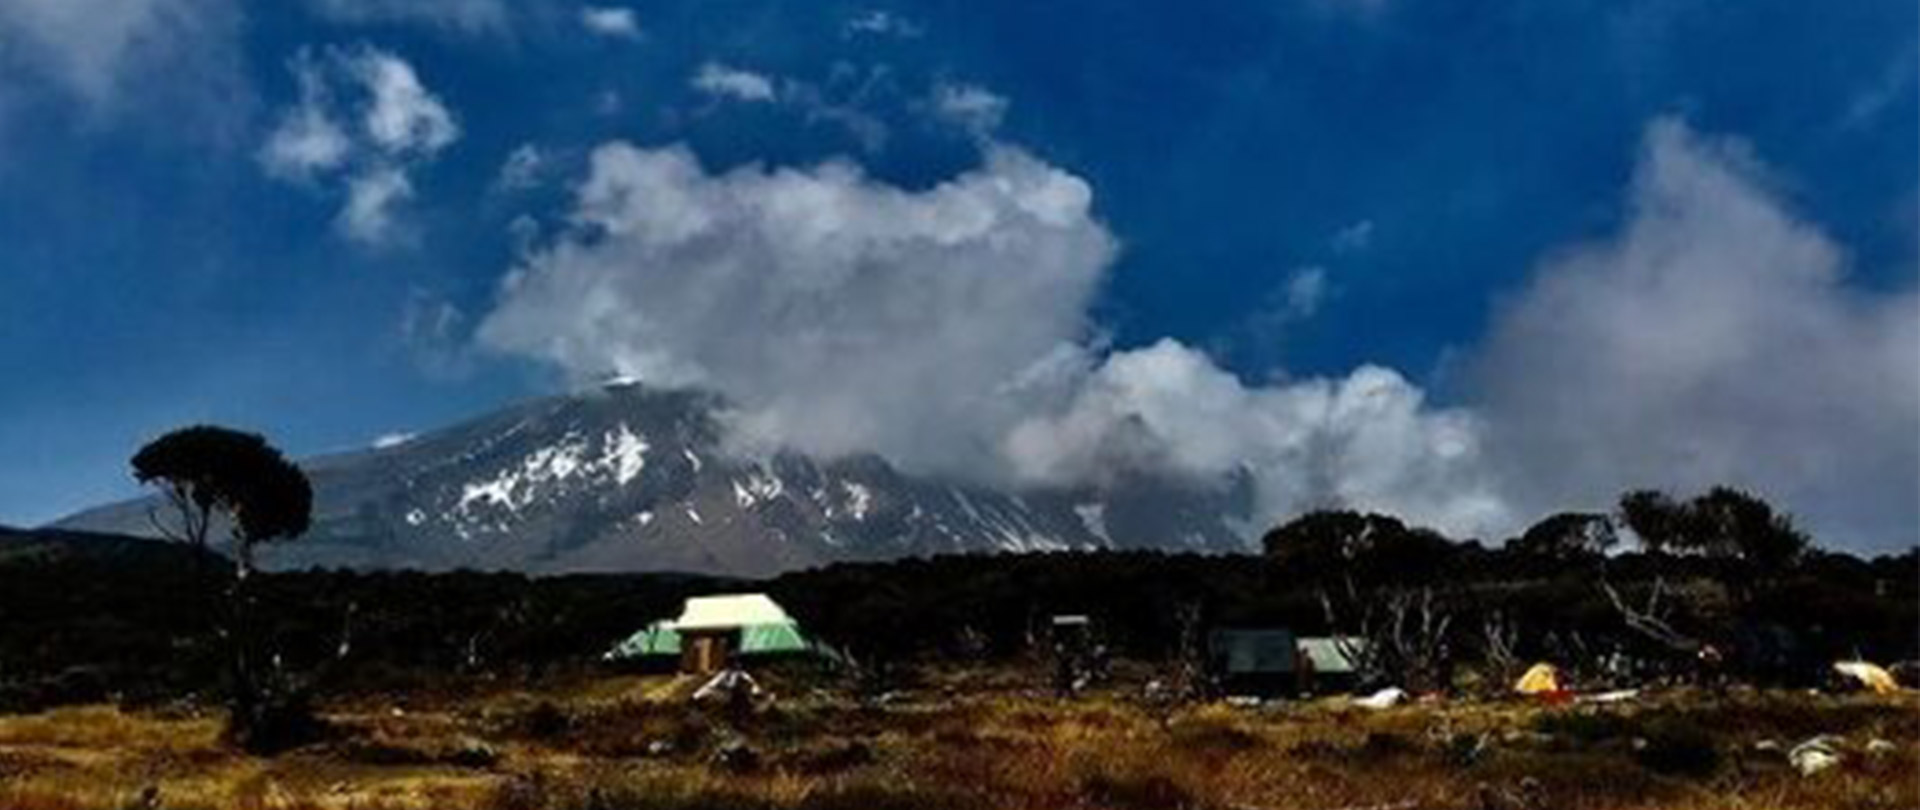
730,610
1329,653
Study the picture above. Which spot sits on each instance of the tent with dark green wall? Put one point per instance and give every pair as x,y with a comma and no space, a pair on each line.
753,624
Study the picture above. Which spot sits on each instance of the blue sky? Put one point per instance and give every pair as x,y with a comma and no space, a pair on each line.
1292,190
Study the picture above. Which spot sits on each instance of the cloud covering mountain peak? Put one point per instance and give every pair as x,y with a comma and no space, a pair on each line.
1711,339
946,328
840,313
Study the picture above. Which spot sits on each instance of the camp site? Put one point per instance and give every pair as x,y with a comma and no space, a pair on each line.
959,405
1094,680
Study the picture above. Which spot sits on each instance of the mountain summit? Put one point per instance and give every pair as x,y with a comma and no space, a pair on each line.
624,477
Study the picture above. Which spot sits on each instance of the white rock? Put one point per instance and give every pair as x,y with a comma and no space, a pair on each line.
1813,756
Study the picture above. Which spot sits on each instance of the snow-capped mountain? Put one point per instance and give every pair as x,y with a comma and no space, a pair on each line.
625,477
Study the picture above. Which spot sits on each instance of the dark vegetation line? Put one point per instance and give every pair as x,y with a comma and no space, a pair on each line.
1721,587
89,617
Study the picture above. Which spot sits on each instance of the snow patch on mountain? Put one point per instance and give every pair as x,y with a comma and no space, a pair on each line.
517,486
859,499
1094,517
759,486
625,453
389,440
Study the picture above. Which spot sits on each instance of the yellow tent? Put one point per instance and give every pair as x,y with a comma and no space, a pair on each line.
1540,679
1872,676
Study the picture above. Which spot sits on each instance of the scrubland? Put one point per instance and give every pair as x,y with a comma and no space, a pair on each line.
971,739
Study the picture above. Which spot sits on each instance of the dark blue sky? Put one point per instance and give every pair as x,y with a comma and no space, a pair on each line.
1426,155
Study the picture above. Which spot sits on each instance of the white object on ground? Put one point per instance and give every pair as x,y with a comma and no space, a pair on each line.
725,684
1382,699
1814,756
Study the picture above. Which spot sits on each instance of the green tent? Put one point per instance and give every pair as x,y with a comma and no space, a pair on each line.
765,629
661,639
654,639
773,638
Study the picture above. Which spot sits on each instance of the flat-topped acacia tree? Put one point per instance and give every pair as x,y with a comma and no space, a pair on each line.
217,477
213,473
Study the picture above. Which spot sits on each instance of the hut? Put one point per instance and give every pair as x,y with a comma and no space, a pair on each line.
712,632
1254,662
1327,665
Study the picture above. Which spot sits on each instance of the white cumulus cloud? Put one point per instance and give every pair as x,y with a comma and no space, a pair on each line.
840,313
307,141
715,79
400,125
403,117
971,107
1366,441
372,196
614,22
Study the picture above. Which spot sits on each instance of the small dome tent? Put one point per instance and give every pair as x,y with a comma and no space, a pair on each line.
1540,679
1872,677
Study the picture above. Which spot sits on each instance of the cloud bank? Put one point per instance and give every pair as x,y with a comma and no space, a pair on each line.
1712,339
1366,441
947,329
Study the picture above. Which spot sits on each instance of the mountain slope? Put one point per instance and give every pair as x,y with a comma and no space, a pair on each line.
630,478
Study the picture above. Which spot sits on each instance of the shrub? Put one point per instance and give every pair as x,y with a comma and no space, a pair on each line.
1583,727
1214,737
544,721
375,752
1377,748
1136,790
278,721
867,796
1381,745
831,757
1462,749
1678,748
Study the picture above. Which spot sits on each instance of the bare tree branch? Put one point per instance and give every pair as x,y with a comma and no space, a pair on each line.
1652,620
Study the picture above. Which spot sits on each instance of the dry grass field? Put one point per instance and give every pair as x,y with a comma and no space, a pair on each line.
982,740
